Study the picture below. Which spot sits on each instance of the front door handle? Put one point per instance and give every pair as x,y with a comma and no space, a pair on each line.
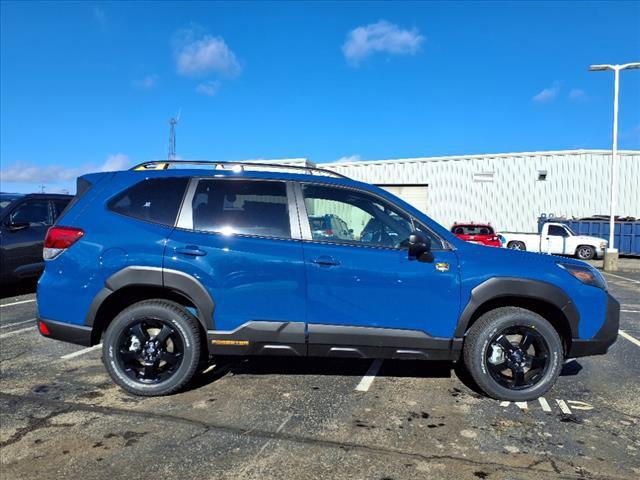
191,250
325,261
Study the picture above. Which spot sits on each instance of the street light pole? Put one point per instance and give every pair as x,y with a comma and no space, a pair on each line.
611,255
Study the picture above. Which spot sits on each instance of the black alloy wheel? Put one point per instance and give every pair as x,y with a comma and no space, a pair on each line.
150,350
517,357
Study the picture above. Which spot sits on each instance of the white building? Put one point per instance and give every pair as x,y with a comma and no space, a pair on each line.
508,190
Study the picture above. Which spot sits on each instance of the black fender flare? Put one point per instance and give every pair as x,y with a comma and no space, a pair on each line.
174,280
500,287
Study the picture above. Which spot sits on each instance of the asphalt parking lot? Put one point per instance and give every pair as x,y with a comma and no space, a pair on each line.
62,417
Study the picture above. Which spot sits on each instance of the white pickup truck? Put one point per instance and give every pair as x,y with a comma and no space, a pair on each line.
556,238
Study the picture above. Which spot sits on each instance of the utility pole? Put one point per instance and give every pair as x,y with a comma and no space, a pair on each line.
611,255
171,153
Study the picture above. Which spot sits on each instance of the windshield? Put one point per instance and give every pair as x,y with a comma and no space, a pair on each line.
571,232
6,199
472,230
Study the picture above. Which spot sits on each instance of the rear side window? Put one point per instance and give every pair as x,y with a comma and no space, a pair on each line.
33,212
244,207
154,200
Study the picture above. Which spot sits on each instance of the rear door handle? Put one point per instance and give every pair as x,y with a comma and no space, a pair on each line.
191,250
326,261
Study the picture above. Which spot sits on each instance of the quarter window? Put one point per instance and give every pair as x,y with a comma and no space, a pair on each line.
155,200
246,207
348,216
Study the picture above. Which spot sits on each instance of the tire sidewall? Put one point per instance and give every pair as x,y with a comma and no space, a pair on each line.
130,316
478,355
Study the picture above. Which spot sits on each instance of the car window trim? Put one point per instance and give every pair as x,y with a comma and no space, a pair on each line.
306,227
185,215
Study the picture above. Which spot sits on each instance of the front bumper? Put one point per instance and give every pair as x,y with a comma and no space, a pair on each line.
67,332
604,338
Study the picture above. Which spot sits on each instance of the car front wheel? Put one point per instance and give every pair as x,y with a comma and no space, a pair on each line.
513,354
152,348
585,252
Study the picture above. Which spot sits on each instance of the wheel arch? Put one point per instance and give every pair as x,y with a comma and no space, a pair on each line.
134,284
545,299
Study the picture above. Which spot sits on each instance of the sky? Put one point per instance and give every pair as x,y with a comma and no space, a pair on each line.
91,86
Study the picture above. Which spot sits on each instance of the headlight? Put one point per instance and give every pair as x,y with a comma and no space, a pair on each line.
587,275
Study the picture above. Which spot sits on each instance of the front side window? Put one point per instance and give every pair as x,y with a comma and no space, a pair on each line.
245,207
33,212
557,231
348,216
154,200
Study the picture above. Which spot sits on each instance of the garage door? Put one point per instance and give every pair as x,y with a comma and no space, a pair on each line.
414,195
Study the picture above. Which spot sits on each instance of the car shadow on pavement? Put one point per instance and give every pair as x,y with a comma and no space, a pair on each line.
320,366
16,289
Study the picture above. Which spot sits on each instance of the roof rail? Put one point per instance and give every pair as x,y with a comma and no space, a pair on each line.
236,166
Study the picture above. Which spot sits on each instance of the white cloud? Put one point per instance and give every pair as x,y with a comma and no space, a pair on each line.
208,88
380,37
100,15
146,83
119,161
25,172
349,158
199,54
577,94
547,94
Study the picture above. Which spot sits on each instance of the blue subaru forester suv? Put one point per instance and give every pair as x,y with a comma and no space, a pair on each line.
171,264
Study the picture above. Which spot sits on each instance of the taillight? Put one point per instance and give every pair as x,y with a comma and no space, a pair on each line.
58,239
328,232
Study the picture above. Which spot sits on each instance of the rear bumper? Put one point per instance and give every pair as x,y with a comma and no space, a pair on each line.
66,332
606,336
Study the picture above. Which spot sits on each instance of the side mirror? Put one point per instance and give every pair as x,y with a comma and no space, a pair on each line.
420,248
13,227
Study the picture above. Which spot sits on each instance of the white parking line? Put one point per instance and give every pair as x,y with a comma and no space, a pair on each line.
563,406
17,303
630,311
80,352
629,337
15,332
544,404
367,380
17,323
623,278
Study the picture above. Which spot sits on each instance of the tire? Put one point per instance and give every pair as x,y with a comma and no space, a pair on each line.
517,245
483,348
585,252
164,358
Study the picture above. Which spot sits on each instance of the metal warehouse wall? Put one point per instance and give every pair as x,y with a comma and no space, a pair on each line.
504,189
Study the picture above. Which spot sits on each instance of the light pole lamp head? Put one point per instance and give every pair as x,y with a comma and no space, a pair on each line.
599,68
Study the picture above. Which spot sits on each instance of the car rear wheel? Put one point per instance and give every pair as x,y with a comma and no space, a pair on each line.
516,245
513,354
152,348
585,252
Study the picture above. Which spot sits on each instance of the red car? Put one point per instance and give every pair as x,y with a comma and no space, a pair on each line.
480,233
